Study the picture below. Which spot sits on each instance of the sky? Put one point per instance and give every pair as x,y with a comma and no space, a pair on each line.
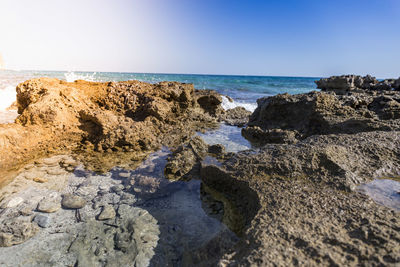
288,38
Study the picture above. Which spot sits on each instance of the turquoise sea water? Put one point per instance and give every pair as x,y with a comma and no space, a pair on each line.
245,90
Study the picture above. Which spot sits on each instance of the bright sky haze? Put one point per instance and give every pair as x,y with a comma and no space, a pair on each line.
289,38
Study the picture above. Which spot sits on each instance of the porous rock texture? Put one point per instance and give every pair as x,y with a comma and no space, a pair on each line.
130,116
299,205
288,118
353,83
298,194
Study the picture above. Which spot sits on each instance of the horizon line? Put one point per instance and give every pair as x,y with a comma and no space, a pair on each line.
164,73
199,74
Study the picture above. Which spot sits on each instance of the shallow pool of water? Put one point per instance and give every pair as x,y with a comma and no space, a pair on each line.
228,136
155,222
178,208
386,192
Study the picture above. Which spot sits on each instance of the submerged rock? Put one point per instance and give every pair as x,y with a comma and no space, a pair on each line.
184,159
107,212
49,204
70,201
14,202
42,220
15,231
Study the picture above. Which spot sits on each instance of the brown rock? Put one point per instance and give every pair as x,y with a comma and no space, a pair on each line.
238,116
94,117
185,158
40,180
108,212
287,118
296,202
70,201
49,205
15,231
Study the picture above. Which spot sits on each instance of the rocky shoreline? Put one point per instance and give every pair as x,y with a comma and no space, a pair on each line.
89,179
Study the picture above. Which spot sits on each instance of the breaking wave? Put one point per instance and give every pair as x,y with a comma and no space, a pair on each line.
72,76
8,96
229,104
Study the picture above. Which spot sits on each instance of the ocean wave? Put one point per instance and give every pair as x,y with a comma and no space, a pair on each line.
228,104
72,76
8,96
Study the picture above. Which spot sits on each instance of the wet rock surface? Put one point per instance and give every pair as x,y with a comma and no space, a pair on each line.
184,159
14,231
71,201
238,116
126,217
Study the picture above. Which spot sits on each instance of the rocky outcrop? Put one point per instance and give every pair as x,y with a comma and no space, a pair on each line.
185,158
238,116
94,117
288,118
300,205
292,201
355,83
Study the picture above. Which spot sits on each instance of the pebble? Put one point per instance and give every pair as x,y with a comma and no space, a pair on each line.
49,205
70,201
117,188
42,220
29,166
55,171
127,198
124,174
70,169
108,212
25,211
103,187
51,161
14,202
40,180
31,175
70,162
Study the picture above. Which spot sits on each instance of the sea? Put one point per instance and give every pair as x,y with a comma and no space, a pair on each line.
243,89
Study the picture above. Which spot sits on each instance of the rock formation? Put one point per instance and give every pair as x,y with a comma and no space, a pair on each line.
355,83
292,201
298,193
300,203
94,117
288,118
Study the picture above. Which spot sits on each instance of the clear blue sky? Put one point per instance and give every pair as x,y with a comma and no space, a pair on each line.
299,38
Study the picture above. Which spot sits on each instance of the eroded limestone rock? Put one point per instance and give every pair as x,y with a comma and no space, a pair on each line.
14,231
355,83
299,205
288,118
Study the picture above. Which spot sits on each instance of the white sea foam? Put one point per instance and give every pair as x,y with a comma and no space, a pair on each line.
8,96
72,76
227,104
